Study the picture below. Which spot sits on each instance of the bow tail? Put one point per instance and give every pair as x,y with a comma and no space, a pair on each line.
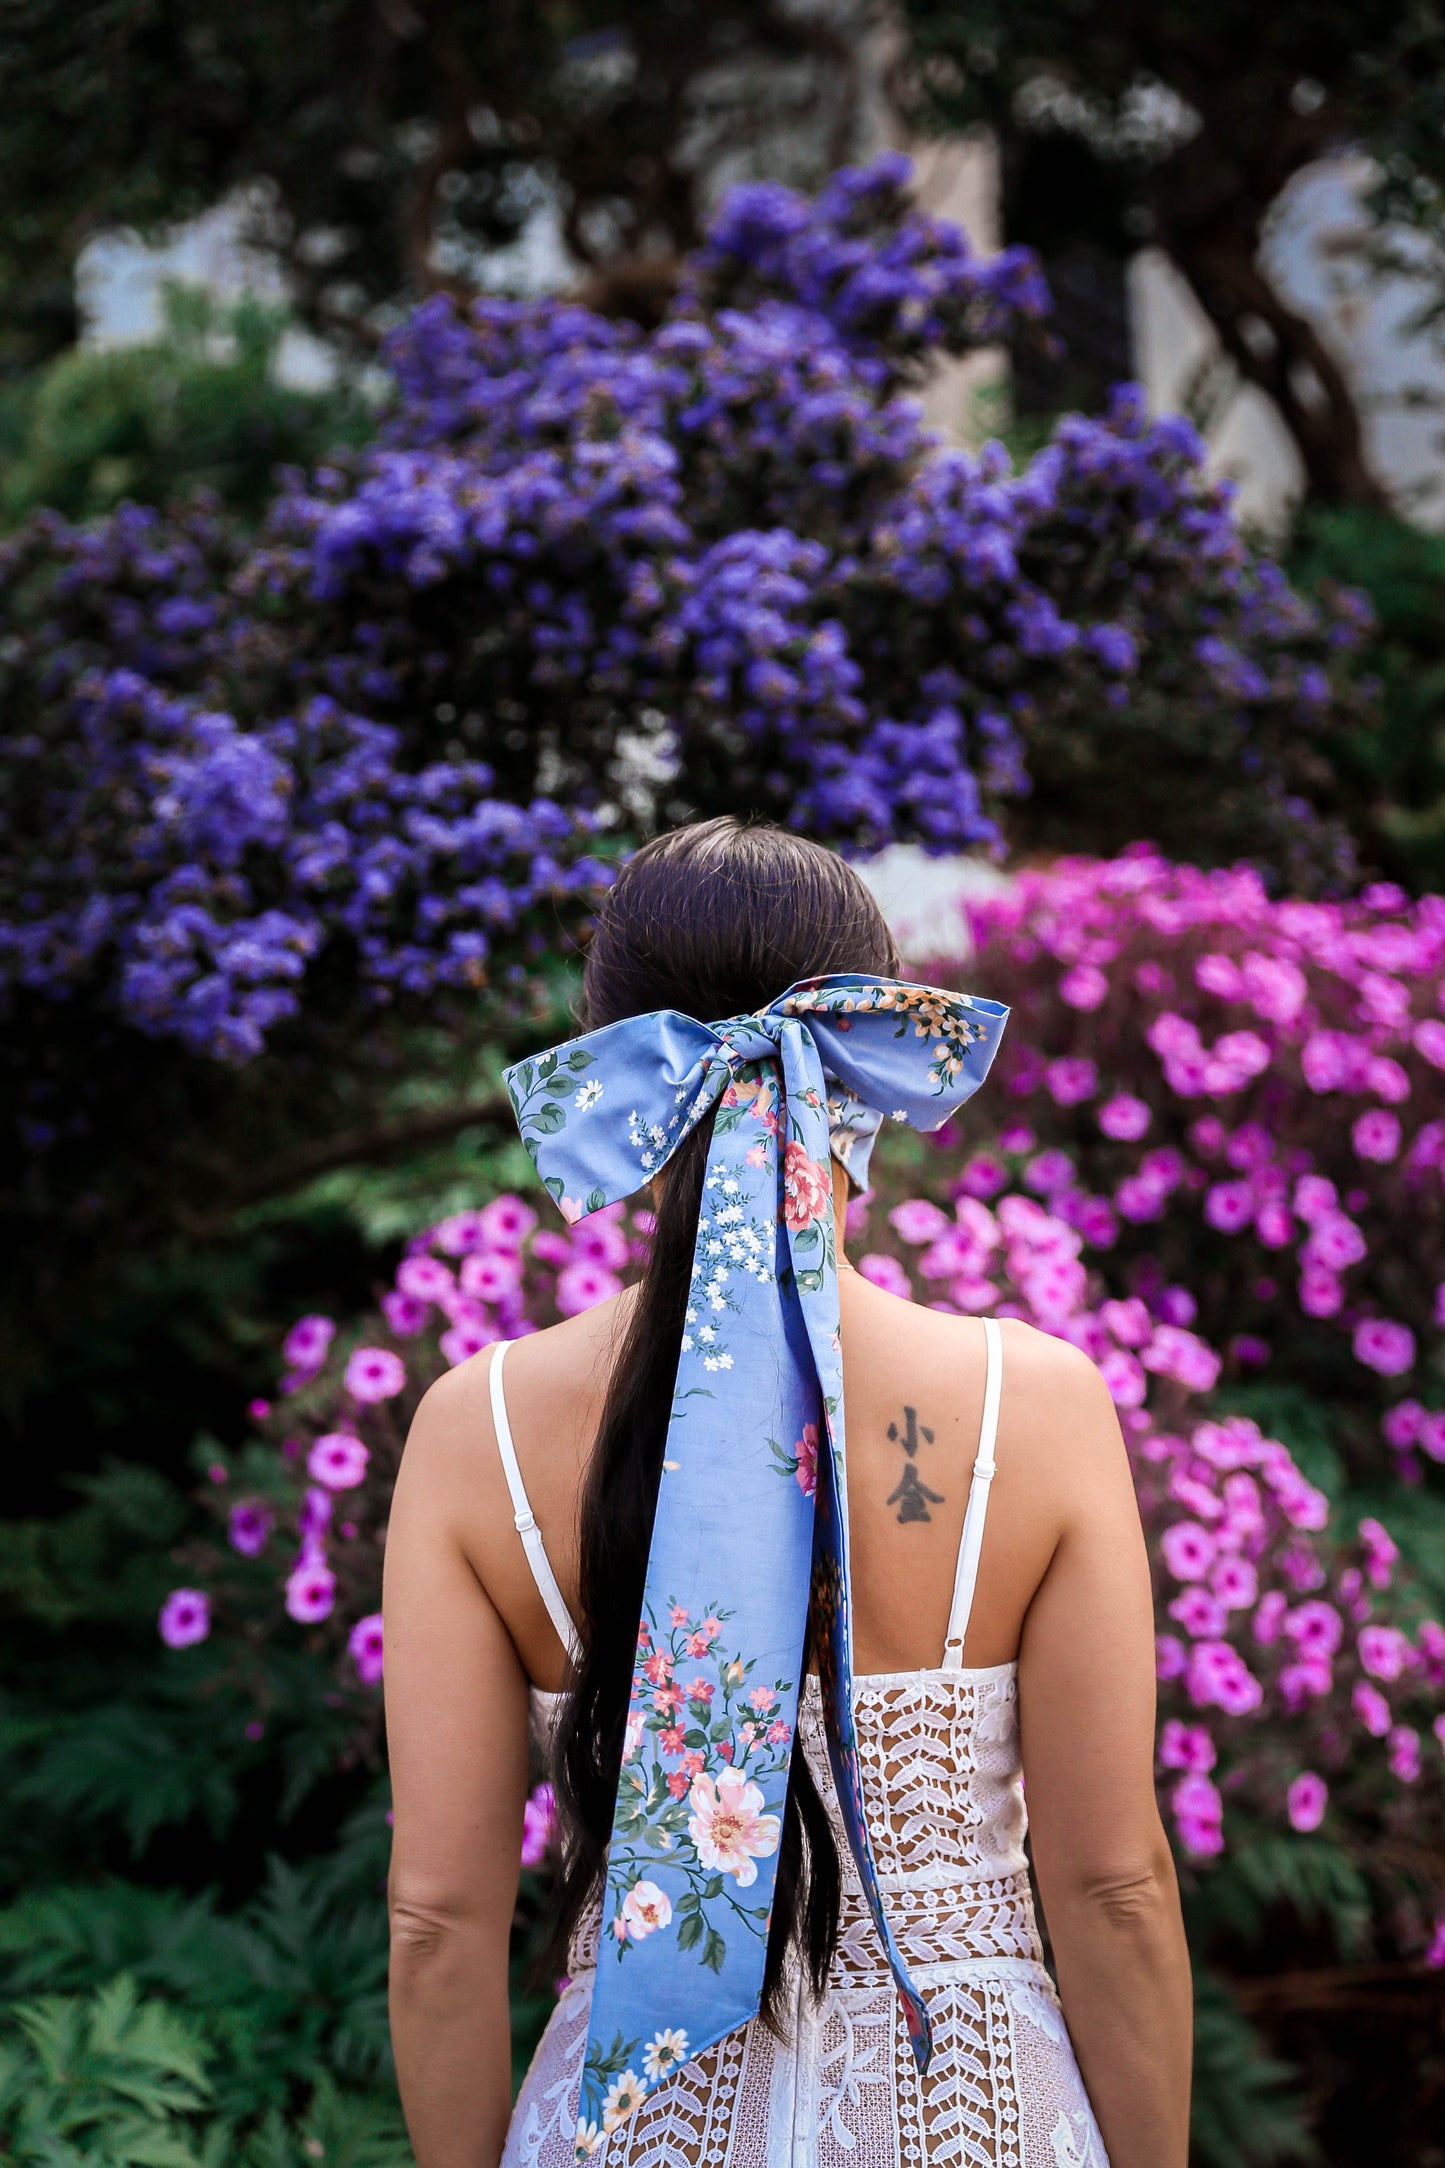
808,1212
692,1863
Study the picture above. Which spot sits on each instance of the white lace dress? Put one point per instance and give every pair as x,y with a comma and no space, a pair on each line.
944,1797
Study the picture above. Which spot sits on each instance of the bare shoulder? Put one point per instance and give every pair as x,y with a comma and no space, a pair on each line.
1057,1418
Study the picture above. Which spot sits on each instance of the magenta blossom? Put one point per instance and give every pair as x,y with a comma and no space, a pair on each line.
582,1286
1070,1079
1371,1708
306,1344
1306,1801
885,1272
1186,1746
506,1222
539,1826
1124,1117
1376,1135
919,1221
1384,1651
405,1314
1188,1550
364,1643
185,1618
374,1374
337,1461
1385,1346
310,1593
250,1524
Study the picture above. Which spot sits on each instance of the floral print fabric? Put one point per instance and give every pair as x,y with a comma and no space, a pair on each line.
751,1518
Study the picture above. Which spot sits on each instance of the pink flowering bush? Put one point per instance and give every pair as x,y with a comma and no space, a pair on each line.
1241,1099
294,1563
1301,1686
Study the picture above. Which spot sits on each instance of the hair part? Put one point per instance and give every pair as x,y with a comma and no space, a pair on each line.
716,919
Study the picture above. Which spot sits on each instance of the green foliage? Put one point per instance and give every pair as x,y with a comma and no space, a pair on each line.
199,407
1392,775
1277,1879
1247,2111
104,2079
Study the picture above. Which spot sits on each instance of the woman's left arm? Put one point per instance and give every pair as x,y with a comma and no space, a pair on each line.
456,1722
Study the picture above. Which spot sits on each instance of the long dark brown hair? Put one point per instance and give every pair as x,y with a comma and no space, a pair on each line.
716,920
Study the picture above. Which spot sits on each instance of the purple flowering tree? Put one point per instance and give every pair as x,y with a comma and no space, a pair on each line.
296,795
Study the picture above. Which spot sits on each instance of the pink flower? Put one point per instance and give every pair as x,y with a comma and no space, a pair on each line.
728,1827
1198,1612
699,1690
583,1285
1235,1582
763,1699
1170,1657
885,1272
337,1461
1124,1377
491,1275
805,1452
982,1176
185,1618
1372,1709
305,1345
250,1525
426,1278
1188,1550
1430,1041
1320,1294
539,1826
807,1188
918,1221
1198,1814
1186,1746
310,1593
1084,987
373,1374
1316,1628
1376,1135
364,1643
1384,1651
1070,1079
1384,1345
1306,1801
506,1222
460,1342
405,1314
644,1909
1405,1753
1269,1618
1124,1117
1381,1552
1229,1206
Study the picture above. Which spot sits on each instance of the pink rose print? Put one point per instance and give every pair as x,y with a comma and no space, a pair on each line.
728,1828
807,1188
806,1452
644,1909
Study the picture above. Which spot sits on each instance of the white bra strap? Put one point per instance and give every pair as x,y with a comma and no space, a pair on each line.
971,1543
526,1520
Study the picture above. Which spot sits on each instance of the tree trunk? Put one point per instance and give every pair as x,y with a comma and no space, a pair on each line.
1279,350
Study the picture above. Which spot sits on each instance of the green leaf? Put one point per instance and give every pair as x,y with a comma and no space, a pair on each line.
580,1059
690,1932
547,1121
596,1199
715,1951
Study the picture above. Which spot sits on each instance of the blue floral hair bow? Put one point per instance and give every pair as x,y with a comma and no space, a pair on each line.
751,1514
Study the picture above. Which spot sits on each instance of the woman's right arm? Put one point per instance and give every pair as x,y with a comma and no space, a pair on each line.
1087,1712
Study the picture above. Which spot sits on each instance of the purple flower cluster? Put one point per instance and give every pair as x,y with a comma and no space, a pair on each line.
627,574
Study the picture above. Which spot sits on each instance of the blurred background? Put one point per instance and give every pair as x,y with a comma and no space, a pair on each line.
441,445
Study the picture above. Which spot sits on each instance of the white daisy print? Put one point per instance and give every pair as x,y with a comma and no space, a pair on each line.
664,2052
589,1095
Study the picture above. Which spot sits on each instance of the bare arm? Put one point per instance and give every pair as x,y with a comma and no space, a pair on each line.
1105,1874
456,1719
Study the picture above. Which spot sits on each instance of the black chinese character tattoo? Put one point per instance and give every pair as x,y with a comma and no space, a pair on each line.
912,1497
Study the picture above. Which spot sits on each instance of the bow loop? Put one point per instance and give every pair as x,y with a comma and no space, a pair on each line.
751,1524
